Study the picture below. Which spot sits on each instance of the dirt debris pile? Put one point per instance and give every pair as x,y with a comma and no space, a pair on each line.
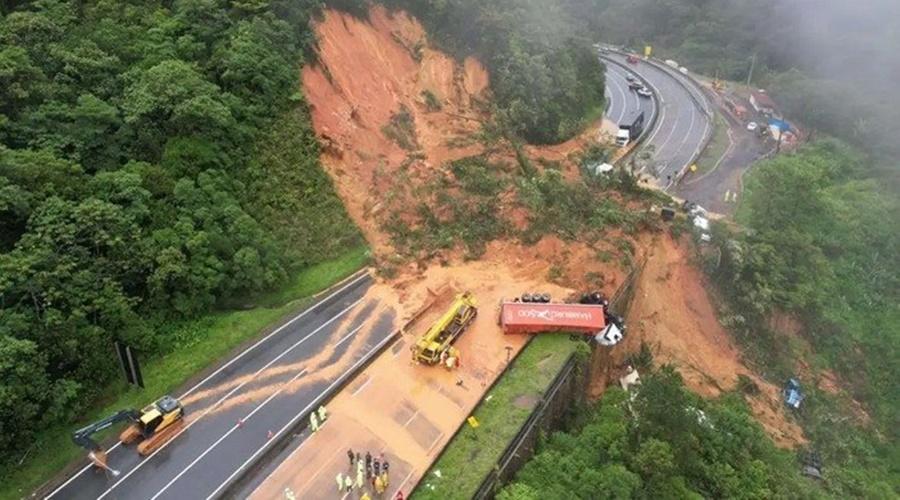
672,313
392,113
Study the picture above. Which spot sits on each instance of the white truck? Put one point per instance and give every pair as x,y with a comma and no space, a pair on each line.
630,129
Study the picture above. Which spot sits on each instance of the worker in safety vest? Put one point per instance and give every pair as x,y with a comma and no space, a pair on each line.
313,422
340,481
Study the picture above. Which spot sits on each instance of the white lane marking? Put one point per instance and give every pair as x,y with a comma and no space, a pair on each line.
435,442
363,386
228,395
624,101
293,421
246,418
637,100
223,367
611,80
414,415
687,136
233,428
668,137
661,120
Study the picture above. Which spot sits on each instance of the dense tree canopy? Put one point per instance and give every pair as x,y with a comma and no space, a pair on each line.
546,79
145,150
665,442
821,244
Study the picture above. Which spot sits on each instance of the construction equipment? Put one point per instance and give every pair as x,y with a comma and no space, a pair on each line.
446,330
153,426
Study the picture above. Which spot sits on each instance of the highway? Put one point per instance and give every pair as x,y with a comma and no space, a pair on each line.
682,123
257,395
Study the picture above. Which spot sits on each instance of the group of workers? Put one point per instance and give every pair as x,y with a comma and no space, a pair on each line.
369,471
318,418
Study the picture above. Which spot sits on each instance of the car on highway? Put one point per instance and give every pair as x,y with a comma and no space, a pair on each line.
644,92
752,126
635,85
631,78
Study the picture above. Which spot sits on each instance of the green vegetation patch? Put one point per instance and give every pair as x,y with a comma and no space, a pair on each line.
663,442
472,453
545,77
572,210
197,345
432,103
821,246
156,164
402,129
716,148
467,207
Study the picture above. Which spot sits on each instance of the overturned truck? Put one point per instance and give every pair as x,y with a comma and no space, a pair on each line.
524,317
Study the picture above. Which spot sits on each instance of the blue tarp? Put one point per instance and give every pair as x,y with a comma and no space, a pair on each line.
780,124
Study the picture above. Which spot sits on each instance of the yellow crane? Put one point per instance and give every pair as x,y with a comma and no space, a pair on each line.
444,332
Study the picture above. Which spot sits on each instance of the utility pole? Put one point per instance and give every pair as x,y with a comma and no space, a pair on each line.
752,64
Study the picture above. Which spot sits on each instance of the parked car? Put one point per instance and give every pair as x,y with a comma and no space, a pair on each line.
683,70
752,126
644,92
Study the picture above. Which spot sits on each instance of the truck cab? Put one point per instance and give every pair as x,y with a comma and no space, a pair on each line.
630,129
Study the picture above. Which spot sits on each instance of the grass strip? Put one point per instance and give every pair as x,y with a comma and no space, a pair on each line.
716,147
473,453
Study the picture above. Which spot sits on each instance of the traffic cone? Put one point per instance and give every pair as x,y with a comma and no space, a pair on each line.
270,435
240,422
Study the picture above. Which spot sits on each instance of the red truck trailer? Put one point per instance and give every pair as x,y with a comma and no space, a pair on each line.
524,317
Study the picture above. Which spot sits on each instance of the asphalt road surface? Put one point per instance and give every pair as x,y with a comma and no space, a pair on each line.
682,124
623,102
711,189
229,415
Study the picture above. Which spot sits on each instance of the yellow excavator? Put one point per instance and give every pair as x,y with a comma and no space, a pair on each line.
152,426
444,332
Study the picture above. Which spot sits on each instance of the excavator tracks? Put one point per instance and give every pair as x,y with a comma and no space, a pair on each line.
159,438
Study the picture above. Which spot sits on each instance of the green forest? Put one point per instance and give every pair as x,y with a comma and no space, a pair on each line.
546,80
666,442
157,162
820,242
157,165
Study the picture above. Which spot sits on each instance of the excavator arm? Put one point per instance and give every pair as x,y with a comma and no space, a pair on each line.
82,437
